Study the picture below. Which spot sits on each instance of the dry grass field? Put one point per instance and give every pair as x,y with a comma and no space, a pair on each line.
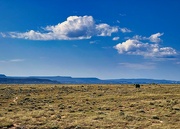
89,107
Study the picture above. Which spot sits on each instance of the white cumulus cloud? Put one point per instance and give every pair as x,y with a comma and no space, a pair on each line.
74,28
136,47
125,30
105,30
153,38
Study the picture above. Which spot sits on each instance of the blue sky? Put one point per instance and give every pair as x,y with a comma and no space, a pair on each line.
81,38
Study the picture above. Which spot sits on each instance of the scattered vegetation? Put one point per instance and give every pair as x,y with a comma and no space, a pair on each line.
89,106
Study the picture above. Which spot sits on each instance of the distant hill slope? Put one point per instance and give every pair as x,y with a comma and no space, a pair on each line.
25,80
70,80
142,81
2,76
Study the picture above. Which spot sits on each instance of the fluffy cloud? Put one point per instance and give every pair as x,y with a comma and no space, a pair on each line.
153,50
153,38
125,30
75,27
105,30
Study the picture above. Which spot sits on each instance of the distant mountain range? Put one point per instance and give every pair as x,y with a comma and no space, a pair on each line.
70,80
24,80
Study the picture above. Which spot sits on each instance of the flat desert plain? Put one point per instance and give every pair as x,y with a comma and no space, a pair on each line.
90,106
